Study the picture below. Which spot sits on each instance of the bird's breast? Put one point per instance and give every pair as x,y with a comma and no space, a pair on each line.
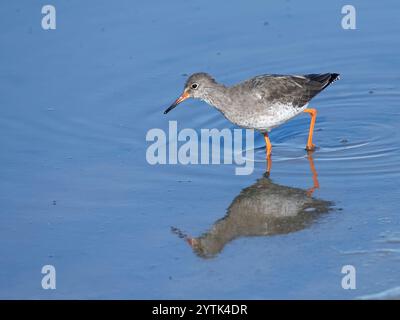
263,118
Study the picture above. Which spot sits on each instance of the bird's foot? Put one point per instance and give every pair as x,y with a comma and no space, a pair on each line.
311,147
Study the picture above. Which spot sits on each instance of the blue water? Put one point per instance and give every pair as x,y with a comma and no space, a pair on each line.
77,192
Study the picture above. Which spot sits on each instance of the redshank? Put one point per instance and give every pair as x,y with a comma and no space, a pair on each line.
261,103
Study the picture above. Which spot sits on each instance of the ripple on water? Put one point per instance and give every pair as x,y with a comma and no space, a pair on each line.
355,141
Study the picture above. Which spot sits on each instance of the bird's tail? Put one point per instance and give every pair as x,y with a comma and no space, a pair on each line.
334,77
324,79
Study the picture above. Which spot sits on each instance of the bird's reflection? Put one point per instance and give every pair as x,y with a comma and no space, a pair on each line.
262,209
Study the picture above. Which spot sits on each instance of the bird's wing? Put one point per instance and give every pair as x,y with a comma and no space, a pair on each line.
295,90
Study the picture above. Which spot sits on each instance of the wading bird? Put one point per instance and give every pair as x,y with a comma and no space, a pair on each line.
261,103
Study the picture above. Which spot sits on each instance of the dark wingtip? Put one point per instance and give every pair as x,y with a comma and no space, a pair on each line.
334,77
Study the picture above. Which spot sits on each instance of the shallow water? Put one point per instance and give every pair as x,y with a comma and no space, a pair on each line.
77,192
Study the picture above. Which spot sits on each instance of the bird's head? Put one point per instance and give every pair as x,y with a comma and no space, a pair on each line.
198,86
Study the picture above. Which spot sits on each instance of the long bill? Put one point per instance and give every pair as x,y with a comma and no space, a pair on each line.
183,97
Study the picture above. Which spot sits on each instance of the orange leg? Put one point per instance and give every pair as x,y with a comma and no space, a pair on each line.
268,144
313,112
315,175
269,151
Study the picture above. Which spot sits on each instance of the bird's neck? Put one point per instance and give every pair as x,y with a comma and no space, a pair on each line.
218,97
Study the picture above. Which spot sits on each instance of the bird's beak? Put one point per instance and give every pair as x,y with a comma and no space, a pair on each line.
183,97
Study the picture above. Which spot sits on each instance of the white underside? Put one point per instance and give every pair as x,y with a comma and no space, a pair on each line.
282,113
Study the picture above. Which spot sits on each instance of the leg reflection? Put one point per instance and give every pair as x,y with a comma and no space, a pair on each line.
315,186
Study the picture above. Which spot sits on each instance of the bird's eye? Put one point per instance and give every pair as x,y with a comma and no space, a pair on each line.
194,86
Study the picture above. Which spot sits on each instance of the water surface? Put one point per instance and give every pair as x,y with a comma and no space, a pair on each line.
77,192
